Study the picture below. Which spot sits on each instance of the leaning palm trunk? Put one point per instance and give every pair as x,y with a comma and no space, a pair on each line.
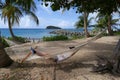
10,28
85,24
4,58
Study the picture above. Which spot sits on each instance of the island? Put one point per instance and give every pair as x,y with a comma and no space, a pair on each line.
52,27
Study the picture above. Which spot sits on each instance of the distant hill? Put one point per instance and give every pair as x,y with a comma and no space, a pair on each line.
52,27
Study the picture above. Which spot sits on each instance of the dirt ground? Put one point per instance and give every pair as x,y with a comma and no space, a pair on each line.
78,67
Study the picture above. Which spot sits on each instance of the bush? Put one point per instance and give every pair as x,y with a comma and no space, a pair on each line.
116,32
55,38
18,38
77,37
5,44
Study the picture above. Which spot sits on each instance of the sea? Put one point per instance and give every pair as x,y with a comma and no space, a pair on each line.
32,33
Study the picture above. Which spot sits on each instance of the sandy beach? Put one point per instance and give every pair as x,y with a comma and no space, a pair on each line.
78,67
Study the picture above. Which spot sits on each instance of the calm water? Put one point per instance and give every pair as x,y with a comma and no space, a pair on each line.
32,33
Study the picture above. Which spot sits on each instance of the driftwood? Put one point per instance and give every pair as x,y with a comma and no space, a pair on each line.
109,65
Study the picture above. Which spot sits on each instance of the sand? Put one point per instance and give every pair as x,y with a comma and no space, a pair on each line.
78,67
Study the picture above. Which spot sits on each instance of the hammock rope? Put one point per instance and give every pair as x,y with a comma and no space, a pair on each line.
69,53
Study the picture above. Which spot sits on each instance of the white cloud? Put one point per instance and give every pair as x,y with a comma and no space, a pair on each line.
44,22
65,24
27,22
47,17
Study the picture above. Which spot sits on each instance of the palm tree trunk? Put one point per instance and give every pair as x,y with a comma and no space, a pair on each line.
109,26
85,24
5,60
10,28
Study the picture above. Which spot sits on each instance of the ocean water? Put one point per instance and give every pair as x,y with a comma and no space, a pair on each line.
32,33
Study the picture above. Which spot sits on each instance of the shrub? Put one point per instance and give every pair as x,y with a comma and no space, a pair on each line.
55,38
76,37
116,32
18,38
5,44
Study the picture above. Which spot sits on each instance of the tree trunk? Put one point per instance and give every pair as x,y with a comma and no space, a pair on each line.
10,28
85,25
109,25
5,60
116,66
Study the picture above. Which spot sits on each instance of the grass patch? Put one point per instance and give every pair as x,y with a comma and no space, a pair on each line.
55,38
76,37
17,38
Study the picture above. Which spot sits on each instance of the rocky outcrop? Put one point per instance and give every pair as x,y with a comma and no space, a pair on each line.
52,27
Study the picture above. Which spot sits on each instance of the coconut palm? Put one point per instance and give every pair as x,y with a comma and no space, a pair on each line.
106,21
84,22
13,11
11,14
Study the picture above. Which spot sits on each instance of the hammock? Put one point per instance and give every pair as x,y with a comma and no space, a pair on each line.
69,53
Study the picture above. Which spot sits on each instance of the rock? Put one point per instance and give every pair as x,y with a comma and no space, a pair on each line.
52,27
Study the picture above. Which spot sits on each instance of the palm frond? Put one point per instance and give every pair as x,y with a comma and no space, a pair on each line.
34,17
80,22
26,4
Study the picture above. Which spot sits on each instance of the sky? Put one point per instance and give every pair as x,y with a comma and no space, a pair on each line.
48,17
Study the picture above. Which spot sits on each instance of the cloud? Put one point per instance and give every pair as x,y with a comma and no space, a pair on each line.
55,22
27,22
65,24
47,17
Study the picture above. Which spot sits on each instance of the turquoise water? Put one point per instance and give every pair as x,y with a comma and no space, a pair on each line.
32,33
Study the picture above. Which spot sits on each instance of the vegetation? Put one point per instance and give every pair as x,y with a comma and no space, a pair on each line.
116,32
18,39
81,23
12,11
108,6
5,44
55,38
106,21
104,7
76,37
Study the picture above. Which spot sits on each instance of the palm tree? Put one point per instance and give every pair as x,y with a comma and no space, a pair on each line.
12,14
106,21
84,22
13,11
